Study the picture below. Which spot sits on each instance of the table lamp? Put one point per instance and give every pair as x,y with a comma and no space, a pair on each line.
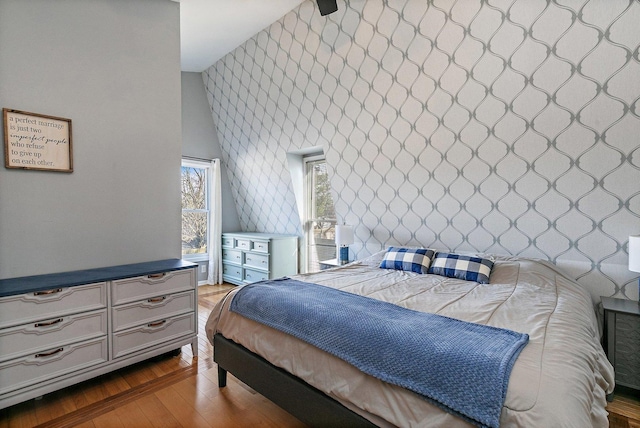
344,238
634,257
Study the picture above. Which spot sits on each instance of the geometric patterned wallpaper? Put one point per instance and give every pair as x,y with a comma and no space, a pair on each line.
500,126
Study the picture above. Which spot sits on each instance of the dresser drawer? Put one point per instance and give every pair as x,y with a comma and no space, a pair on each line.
49,304
243,244
260,246
145,287
227,241
153,333
260,261
51,333
251,275
48,364
154,308
232,271
233,256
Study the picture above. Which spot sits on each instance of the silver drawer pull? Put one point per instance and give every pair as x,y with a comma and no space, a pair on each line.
48,323
44,293
156,275
48,354
156,324
264,262
156,299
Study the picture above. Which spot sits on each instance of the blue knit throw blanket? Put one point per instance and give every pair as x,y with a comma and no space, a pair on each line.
459,366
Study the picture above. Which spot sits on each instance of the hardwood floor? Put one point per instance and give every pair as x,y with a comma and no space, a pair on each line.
178,391
624,410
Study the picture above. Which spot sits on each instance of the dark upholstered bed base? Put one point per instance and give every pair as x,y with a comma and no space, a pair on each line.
297,397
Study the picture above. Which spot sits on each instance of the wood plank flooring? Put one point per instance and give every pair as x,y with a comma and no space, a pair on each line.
624,410
179,391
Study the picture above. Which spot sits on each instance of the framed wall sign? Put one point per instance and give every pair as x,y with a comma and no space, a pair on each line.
37,141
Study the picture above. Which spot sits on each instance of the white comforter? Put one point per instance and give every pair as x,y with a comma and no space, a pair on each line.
560,379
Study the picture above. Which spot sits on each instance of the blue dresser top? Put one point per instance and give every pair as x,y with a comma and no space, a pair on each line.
28,284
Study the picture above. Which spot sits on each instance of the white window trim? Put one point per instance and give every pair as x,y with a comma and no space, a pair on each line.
308,205
191,163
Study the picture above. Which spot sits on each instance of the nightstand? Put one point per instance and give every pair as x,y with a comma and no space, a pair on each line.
328,264
622,339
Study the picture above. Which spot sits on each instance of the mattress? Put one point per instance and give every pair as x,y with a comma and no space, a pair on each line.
561,378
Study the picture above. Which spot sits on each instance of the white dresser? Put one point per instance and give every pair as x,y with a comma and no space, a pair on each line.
63,328
250,256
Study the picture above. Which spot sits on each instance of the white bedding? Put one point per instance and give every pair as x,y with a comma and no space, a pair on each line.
561,377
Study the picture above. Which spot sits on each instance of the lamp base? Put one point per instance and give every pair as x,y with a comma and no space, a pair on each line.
343,257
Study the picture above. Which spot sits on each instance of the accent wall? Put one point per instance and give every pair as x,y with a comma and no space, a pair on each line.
493,126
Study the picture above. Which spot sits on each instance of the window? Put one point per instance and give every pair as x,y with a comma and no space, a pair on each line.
320,214
195,209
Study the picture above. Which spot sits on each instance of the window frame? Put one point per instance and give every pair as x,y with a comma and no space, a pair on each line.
309,215
206,166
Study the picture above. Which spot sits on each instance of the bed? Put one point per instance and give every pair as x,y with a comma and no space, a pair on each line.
560,378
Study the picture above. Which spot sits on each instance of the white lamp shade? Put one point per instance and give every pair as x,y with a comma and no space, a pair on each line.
344,235
634,253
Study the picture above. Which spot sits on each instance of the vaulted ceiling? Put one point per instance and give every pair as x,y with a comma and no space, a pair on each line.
209,29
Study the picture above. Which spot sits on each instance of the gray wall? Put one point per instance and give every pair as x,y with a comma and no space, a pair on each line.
113,68
200,140
500,127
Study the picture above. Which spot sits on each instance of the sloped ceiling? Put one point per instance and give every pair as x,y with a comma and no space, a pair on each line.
209,29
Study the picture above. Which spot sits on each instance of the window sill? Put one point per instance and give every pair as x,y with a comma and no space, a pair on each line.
195,259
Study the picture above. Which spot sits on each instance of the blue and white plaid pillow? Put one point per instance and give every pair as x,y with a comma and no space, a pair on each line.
410,259
462,267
